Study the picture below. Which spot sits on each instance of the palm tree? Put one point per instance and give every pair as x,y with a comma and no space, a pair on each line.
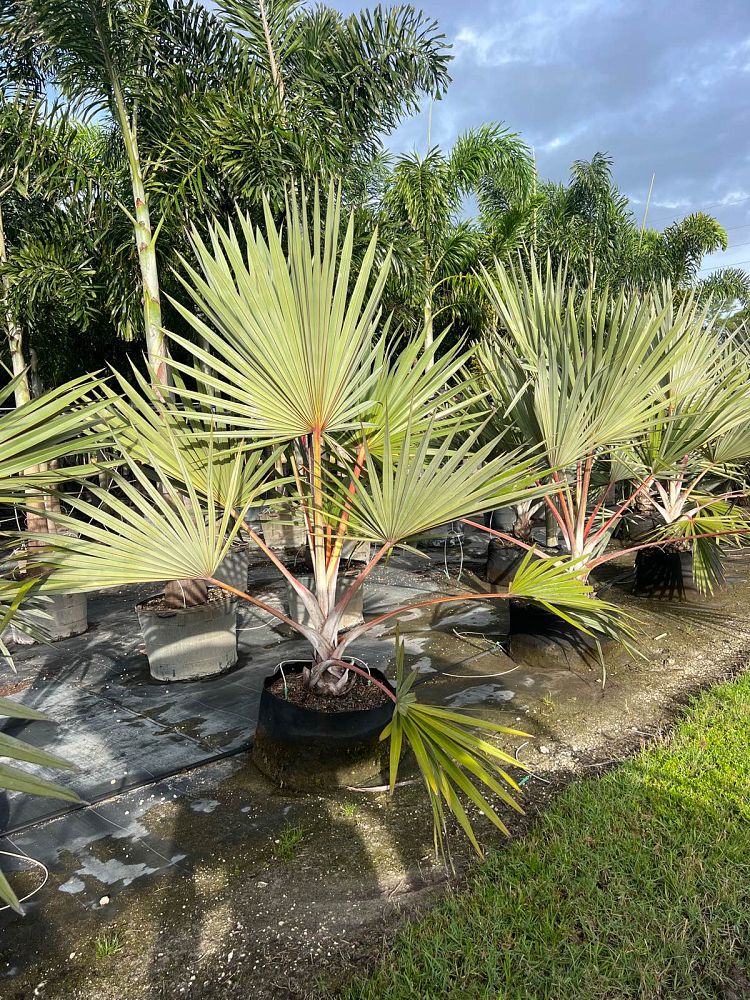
587,226
424,197
693,457
122,60
338,82
212,109
381,447
583,374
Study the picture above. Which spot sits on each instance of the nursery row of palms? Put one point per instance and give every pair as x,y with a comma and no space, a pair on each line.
593,403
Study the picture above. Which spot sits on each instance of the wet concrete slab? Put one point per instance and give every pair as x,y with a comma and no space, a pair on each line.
124,730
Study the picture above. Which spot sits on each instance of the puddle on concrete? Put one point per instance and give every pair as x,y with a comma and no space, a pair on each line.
113,871
423,665
204,805
480,694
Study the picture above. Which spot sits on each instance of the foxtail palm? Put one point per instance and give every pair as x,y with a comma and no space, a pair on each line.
425,194
115,57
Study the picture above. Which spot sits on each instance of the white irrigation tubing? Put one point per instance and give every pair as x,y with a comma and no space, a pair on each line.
531,774
472,677
459,536
33,861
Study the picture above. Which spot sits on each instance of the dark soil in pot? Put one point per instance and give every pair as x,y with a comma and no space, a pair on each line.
158,603
306,741
664,572
360,697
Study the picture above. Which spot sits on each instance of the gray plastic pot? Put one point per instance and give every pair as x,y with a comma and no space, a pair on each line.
354,614
190,643
354,551
284,529
68,616
235,566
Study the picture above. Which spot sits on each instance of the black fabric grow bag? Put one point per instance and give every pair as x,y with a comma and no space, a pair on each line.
285,723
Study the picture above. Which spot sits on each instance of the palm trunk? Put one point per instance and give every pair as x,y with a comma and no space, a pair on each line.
19,368
428,325
35,515
144,238
278,81
185,593
145,241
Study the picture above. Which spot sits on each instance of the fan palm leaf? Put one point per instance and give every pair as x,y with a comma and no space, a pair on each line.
289,344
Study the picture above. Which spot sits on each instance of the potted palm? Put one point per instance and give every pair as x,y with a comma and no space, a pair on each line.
294,360
505,554
693,459
583,374
190,627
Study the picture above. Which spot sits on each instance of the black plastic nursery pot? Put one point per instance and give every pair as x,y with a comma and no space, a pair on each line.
635,528
302,748
502,562
665,572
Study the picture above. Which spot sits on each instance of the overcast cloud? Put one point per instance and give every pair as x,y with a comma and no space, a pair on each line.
661,85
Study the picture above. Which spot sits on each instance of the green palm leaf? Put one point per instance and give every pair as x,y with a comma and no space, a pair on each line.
453,759
426,484
46,429
15,779
146,527
578,371
144,427
290,334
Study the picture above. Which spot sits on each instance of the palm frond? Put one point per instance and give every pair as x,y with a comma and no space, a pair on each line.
148,526
289,339
456,763
422,483
16,779
46,429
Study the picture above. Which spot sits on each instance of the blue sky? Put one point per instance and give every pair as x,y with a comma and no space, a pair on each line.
662,85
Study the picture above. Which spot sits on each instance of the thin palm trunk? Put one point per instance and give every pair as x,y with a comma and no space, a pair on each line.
35,514
146,244
22,391
429,338
278,81
428,325
145,238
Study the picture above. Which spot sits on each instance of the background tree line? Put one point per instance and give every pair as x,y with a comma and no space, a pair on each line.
127,124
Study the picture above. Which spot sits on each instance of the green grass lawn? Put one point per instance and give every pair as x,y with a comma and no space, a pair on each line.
636,884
